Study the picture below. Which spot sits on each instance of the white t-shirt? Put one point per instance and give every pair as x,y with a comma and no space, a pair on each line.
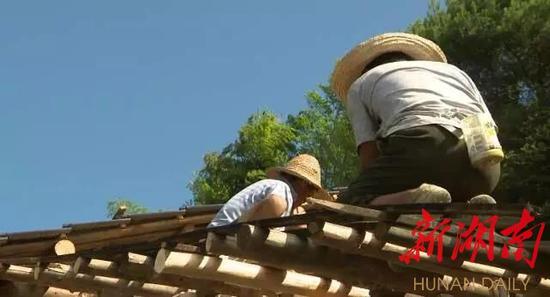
245,200
405,94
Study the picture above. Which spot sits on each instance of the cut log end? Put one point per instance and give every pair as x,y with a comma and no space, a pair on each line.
64,247
134,258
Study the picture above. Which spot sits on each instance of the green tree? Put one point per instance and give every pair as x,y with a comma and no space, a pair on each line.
527,170
264,141
324,131
131,207
503,45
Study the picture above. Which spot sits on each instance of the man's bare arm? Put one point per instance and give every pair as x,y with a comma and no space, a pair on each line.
273,206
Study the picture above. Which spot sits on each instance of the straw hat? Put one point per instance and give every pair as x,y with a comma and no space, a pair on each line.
349,67
305,167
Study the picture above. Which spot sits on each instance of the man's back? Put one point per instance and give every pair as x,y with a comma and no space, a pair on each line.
245,200
406,94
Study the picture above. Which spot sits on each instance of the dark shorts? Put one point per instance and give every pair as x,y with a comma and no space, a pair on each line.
424,154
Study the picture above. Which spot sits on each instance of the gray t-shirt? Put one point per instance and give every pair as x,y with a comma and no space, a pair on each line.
406,94
245,200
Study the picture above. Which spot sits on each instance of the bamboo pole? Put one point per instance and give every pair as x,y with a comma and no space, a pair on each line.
350,240
138,229
94,226
288,251
96,239
33,235
83,282
221,245
57,292
367,213
252,238
411,219
95,267
140,268
276,258
187,294
251,275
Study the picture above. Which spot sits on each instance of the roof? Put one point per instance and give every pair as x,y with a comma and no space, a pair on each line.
332,250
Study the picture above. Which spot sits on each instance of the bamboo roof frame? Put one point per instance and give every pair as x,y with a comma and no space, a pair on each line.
160,254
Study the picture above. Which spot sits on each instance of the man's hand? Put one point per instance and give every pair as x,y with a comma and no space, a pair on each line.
368,151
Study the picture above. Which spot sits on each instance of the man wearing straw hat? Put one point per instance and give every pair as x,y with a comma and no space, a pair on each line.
405,104
277,196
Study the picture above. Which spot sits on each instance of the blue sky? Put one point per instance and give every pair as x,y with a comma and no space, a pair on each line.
106,99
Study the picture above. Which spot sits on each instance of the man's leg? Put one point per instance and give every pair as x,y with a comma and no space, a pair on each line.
411,157
426,193
407,159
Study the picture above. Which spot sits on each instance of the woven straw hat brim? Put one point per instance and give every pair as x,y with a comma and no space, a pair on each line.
319,194
275,171
349,67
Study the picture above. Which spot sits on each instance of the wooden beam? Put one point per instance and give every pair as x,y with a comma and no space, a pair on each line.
250,275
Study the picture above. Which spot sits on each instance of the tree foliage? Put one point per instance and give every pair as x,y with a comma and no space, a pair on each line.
527,170
323,130
264,141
